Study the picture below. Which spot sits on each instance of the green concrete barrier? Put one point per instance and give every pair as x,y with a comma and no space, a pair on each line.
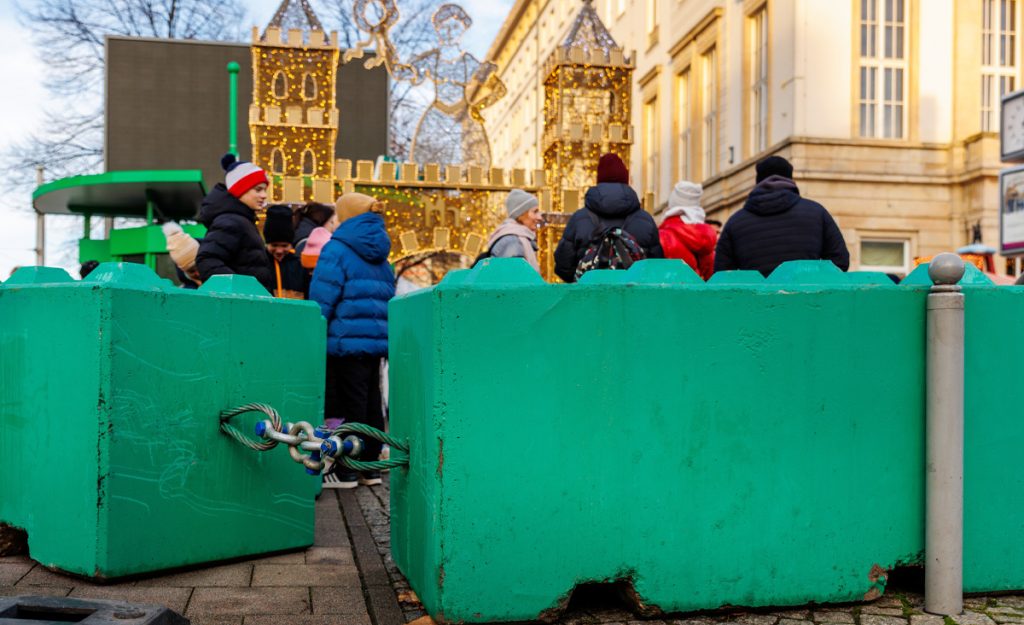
110,391
744,442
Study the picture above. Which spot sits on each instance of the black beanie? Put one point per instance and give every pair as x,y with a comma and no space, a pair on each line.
774,166
278,226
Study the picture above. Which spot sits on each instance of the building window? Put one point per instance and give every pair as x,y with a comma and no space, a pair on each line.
683,113
709,107
308,87
277,162
308,163
883,68
280,86
885,255
999,52
650,146
758,113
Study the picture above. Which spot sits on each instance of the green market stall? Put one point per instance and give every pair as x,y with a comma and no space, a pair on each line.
158,195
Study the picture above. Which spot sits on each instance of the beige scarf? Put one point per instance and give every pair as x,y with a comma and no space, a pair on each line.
526,238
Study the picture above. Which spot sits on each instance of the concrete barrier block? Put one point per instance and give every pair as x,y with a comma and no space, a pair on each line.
492,272
111,396
737,277
807,273
38,275
603,276
130,275
749,465
663,271
234,284
972,277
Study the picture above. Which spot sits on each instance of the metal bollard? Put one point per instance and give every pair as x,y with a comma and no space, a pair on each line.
944,512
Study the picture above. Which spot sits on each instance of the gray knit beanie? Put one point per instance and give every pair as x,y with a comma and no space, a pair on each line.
518,202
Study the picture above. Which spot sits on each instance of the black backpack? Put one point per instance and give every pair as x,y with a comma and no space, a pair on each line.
609,248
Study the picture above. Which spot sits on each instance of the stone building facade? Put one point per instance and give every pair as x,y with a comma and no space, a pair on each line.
888,109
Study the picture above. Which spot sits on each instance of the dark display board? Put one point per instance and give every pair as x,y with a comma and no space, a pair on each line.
167,106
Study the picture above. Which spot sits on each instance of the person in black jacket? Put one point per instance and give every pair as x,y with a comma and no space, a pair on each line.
290,279
614,204
233,243
776,225
312,215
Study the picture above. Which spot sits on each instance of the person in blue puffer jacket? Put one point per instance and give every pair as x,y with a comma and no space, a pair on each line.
353,282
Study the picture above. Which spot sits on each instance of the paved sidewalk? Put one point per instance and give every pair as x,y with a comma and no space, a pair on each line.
320,586
349,578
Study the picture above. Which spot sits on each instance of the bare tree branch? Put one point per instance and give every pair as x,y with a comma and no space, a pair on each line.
69,35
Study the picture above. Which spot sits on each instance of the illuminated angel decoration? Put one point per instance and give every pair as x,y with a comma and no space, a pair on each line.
377,25
451,129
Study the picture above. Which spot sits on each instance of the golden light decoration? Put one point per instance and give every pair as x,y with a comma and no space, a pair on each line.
378,30
587,106
293,120
463,87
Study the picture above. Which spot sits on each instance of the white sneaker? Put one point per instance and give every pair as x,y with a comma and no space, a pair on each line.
345,481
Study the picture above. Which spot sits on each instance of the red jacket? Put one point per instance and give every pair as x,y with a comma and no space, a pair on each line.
693,243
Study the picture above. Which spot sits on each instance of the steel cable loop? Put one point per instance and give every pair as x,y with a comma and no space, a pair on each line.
233,432
372,432
398,447
376,465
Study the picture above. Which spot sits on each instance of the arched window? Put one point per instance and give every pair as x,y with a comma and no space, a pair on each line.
308,87
277,161
280,85
308,163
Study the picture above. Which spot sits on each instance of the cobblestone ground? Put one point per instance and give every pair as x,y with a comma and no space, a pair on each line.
899,606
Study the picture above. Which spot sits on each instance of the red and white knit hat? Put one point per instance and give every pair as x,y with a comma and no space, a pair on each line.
240,176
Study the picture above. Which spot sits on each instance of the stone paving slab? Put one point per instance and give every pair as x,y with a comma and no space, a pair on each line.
320,585
174,598
301,574
249,601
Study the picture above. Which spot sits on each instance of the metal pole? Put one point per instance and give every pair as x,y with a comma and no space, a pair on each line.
233,107
148,257
40,224
944,520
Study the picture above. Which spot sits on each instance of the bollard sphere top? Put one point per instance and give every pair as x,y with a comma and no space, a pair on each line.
946,268
233,67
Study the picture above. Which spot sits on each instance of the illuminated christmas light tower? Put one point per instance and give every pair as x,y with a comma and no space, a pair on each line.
587,99
293,118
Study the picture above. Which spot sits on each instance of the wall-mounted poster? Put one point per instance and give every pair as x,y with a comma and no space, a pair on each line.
1011,211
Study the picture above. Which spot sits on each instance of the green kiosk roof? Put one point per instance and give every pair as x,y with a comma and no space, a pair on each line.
176,194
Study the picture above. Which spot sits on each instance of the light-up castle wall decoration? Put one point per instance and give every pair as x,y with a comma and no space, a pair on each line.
587,101
293,117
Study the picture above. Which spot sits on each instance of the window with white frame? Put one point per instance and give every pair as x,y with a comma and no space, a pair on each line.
650,146
999,60
883,68
885,255
683,112
709,108
758,113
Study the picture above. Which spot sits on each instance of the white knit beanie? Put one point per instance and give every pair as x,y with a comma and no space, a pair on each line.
181,246
685,194
518,202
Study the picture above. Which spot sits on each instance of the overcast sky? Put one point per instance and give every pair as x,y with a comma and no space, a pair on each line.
24,98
